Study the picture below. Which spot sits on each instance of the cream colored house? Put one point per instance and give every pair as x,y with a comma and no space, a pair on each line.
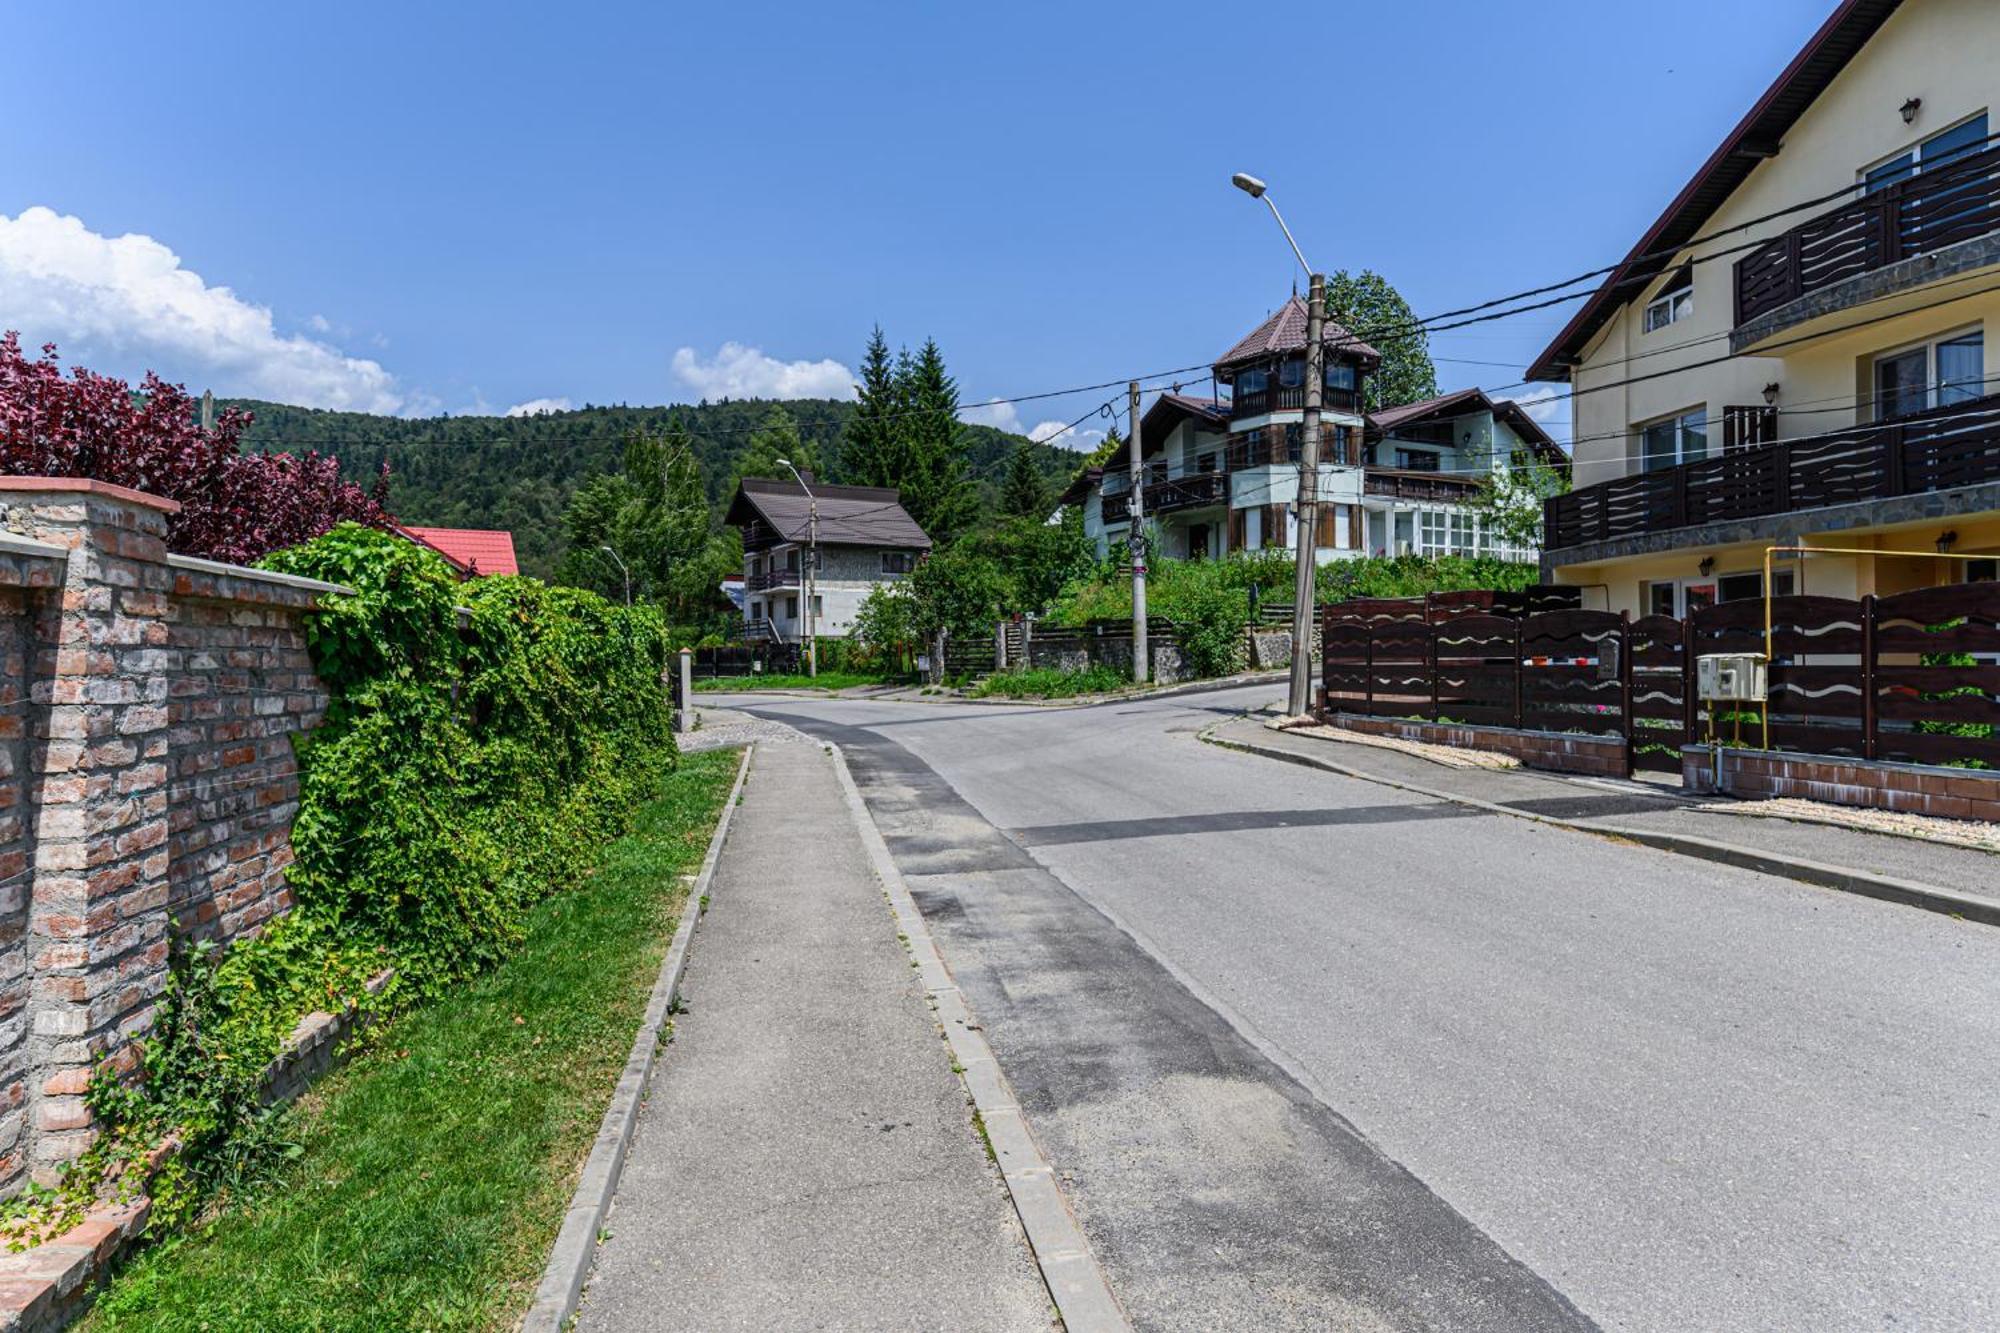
1796,351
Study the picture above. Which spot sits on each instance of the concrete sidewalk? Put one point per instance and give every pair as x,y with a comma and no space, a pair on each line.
1621,807
806,1158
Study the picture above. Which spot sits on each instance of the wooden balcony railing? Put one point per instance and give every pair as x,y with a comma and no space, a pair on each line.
776,578
1431,487
1926,212
1931,451
1196,490
1288,398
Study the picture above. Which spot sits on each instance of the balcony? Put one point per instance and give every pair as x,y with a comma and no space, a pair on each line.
1196,490
1920,215
1422,487
1938,450
776,578
1165,493
1288,398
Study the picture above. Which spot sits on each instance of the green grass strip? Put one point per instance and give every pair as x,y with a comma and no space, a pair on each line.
437,1166
825,680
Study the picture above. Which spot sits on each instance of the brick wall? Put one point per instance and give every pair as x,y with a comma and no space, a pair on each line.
147,728
1556,751
1949,793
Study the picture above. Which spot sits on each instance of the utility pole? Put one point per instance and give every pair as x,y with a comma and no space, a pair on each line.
1305,588
207,410
812,583
1136,517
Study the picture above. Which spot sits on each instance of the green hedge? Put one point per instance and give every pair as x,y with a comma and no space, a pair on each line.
484,741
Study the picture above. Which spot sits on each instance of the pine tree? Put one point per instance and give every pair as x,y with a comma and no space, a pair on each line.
935,489
1024,493
777,437
870,455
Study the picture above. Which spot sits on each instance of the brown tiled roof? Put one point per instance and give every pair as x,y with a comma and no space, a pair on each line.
1078,489
848,515
1461,401
1285,331
1756,137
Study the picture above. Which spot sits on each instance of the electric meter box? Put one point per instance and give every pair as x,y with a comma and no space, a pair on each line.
1731,677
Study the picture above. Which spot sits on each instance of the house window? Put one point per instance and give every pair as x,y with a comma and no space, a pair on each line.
1915,379
1967,136
1250,381
898,562
1291,374
1340,376
1981,571
1674,440
1674,303
1417,460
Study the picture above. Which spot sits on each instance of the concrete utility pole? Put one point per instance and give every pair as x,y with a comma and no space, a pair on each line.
208,409
809,580
1305,589
1141,657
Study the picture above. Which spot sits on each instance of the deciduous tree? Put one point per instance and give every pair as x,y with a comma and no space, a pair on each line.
1367,306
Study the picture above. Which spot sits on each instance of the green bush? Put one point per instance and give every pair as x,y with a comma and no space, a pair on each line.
1049,683
482,743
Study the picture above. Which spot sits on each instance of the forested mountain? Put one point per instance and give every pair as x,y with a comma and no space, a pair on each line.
517,472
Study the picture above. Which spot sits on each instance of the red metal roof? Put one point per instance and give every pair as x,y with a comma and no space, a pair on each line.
471,550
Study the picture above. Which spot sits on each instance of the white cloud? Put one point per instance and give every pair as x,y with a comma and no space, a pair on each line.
123,304
737,371
537,406
993,412
1543,404
319,323
1083,439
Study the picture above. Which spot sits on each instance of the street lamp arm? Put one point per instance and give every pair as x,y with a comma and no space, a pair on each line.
1296,253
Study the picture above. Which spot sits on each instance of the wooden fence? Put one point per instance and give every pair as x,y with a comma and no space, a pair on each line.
1913,677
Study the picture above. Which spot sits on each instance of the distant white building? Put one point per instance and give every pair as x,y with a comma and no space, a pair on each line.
1222,473
865,537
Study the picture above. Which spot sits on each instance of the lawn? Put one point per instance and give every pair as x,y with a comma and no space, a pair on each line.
1048,683
825,680
436,1167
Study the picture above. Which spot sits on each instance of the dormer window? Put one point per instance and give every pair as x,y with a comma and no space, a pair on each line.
1674,303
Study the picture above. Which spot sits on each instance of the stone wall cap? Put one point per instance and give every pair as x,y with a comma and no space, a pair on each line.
15,544
225,570
90,486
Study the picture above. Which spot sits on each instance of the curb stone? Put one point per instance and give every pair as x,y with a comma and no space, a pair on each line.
575,1247
1887,888
1075,1280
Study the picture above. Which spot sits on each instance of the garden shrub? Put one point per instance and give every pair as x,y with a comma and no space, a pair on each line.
482,742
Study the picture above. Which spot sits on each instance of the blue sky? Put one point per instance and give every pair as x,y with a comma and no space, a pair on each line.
420,208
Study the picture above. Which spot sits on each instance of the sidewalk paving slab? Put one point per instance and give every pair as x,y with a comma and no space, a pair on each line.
1617,807
806,1157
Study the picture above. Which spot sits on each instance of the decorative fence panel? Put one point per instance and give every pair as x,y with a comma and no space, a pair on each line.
1663,707
1911,678
1571,676
1935,687
1477,664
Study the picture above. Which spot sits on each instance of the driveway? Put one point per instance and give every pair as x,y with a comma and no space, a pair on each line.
1310,1052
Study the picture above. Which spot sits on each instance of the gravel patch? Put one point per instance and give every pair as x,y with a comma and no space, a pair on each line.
1957,832
723,728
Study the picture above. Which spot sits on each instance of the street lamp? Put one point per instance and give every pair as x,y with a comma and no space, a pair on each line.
811,580
626,573
1303,587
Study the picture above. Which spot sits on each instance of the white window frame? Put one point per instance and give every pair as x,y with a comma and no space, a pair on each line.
1680,436
1668,308
1928,346
1914,149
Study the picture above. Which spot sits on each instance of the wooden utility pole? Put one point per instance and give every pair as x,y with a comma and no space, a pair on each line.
1136,517
1304,588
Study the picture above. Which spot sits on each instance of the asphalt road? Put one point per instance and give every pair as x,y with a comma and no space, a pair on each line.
1316,1053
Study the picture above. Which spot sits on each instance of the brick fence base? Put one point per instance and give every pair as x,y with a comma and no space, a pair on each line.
1949,793
1557,751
